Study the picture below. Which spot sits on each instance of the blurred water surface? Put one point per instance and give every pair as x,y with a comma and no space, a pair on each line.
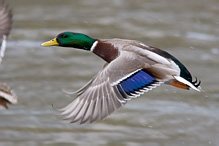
165,116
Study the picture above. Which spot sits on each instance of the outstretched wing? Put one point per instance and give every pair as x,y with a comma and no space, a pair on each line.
5,26
118,82
7,96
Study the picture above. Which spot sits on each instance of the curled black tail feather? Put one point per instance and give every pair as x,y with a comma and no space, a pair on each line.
196,83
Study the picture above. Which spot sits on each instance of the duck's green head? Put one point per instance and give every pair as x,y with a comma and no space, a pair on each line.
71,39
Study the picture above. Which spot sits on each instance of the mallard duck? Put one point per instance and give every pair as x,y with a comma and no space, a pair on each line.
132,69
6,95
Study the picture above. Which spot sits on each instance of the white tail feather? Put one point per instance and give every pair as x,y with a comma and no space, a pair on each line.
182,80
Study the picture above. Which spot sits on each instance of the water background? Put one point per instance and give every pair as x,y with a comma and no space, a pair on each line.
166,116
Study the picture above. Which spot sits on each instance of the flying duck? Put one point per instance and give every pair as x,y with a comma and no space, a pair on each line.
132,68
7,96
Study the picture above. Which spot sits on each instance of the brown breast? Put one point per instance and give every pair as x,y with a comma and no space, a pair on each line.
106,51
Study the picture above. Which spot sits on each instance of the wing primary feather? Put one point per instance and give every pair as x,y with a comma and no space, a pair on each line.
73,113
69,107
106,107
97,108
93,110
89,111
84,88
81,112
111,104
96,111
84,109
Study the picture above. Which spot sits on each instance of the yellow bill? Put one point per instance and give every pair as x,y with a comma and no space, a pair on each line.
52,42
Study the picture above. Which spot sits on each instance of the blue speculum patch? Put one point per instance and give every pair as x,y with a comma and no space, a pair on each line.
135,82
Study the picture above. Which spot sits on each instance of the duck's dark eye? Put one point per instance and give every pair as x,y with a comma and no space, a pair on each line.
64,36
